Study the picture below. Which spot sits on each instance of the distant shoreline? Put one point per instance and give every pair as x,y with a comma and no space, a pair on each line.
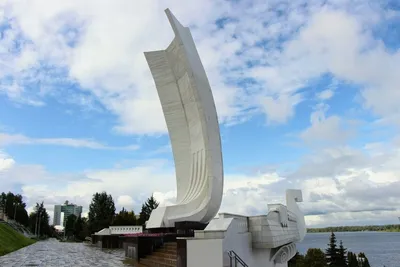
369,228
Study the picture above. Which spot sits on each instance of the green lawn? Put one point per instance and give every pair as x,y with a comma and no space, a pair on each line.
11,240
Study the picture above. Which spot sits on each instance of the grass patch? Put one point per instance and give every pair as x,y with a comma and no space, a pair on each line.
129,262
11,240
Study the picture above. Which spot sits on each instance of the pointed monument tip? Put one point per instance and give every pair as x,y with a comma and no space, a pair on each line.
173,21
168,12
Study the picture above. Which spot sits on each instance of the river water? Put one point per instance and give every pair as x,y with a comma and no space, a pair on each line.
381,248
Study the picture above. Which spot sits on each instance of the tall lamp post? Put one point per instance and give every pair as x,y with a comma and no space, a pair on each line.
15,210
39,224
36,224
3,208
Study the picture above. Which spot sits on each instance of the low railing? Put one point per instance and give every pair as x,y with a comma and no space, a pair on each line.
235,259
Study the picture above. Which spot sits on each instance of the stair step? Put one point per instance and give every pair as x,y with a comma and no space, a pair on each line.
151,262
161,258
164,255
170,244
167,250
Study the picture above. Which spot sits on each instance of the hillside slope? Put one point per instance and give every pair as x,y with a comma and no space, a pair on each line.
11,240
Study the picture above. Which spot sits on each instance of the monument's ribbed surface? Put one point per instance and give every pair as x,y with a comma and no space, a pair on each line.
192,122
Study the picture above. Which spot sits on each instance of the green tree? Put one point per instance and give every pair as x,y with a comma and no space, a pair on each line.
147,207
52,232
14,207
70,225
362,260
352,259
342,255
315,257
332,252
81,229
297,261
101,212
125,218
39,221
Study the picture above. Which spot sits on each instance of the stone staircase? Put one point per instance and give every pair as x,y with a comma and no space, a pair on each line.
162,257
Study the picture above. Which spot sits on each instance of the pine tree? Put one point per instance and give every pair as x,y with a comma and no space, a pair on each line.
147,208
314,257
332,252
296,261
70,225
342,255
362,260
125,218
352,259
39,220
101,211
78,228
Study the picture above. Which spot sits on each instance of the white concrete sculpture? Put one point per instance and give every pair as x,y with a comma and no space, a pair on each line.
267,240
292,197
192,122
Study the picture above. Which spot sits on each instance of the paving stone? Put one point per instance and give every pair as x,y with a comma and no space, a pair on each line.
51,253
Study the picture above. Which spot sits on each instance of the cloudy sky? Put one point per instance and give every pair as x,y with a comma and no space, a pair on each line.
307,94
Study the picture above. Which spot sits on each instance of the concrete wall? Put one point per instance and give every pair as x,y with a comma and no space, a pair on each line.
260,241
238,239
217,251
241,243
268,232
204,252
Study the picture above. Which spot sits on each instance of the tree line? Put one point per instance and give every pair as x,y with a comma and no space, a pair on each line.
13,206
102,214
334,256
375,228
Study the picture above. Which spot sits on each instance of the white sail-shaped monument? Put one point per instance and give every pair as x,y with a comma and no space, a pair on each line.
191,117
190,229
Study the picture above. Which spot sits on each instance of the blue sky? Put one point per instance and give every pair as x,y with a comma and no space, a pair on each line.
306,93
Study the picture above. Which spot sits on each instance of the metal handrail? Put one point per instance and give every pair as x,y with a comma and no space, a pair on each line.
236,258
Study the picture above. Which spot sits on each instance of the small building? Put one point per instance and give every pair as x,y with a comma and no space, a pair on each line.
110,237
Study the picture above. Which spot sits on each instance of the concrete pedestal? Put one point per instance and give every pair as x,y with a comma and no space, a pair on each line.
142,245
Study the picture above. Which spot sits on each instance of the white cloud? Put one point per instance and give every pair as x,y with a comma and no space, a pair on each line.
337,42
326,129
18,139
353,218
105,56
281,109
5,162
109,62
342,184
125,201
280,55
326,94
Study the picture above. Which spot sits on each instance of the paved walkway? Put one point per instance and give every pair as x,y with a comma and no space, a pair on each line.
52,253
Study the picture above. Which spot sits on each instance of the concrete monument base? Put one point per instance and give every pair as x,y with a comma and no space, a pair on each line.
228,240
257,241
